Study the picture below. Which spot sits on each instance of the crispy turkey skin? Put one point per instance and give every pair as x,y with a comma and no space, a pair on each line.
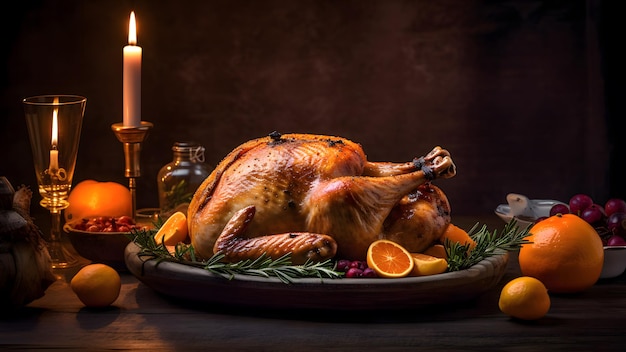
316,197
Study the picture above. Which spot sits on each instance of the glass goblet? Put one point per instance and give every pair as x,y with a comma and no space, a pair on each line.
54,125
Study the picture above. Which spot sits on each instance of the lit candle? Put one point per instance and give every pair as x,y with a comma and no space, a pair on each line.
132,77
54,152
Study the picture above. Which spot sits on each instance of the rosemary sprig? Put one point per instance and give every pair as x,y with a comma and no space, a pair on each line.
264,266
487,244
460,256
178,194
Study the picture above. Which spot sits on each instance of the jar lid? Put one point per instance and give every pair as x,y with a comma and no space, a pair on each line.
193,150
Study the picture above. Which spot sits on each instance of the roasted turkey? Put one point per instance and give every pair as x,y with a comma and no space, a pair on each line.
315,197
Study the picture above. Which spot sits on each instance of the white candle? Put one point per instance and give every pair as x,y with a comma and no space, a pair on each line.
54,152
132,77
54,161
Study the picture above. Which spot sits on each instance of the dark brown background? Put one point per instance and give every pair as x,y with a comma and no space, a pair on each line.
525,94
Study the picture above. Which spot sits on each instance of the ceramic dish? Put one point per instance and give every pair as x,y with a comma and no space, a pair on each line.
190,284
525,211
100,247
614,262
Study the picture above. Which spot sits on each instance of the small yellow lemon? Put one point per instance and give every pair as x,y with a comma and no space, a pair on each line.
524,298
96,285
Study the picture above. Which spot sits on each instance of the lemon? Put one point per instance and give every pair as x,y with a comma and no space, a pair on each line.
524,298
96,285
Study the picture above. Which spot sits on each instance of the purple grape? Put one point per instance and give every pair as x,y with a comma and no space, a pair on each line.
355,264
579,202
343,265
615,240
593,214
614,205
559,208
354,273
369,272
616,223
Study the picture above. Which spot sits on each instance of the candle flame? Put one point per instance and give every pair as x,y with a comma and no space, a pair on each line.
132,30
55,123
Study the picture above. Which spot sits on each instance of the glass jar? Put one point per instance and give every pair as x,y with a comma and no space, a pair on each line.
178,180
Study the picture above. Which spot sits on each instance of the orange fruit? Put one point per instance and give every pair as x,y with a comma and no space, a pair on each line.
457,234
89,199
566,254
173,230
389,259
437,250
524,298
96,285
424,264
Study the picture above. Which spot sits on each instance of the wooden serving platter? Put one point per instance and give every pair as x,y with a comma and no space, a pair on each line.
192,284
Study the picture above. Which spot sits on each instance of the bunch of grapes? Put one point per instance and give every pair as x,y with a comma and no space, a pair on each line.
355,268
608,220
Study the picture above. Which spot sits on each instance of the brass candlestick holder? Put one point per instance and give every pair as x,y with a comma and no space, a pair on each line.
132,137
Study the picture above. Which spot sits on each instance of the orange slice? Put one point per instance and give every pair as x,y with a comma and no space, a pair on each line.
173,231
437,250
389,259
457,234
424,264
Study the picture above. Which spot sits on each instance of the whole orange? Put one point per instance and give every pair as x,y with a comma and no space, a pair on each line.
90,198
566,254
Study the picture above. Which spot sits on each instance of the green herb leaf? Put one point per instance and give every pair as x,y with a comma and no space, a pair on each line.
176,195
488,243
460,256
264,266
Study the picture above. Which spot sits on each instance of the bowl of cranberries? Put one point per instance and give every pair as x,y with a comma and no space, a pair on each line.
609,221
102,239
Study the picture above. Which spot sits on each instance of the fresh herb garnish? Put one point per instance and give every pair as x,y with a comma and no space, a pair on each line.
264,266
460,256
177,195
487,244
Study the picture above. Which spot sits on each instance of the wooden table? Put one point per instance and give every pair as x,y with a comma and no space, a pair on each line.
141,319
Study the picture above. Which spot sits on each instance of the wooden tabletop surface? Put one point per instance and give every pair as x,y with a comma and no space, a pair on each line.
141,319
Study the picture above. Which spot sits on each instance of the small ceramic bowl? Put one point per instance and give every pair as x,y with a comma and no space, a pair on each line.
100,247
614,262
525,211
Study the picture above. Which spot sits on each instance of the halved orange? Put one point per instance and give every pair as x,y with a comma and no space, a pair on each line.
424,264
389,259
173,231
